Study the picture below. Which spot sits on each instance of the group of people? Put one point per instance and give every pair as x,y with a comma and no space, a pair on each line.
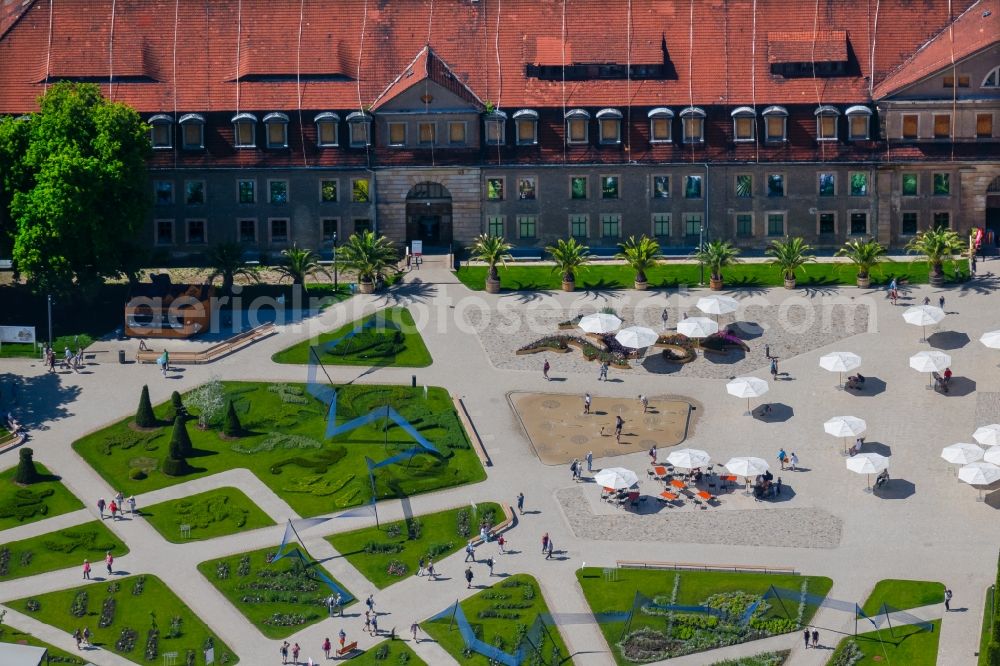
13,425
765,485
71,361
109,562
82,638
788,460
117,506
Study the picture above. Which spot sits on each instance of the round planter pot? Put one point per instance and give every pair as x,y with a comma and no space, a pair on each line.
864,282
641,286
569,285
366,287
715,285
789,284
936,280
493,286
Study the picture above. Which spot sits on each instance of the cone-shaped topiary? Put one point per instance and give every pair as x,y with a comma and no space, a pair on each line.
180,441
232,427
26,472
144,417
175,407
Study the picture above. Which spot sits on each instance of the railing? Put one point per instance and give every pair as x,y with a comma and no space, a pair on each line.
477,443
693,566
212,353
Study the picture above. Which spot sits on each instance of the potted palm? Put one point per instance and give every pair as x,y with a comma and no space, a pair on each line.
937,245
299,264
570,256
641,254
226,261
789,256
716,255
491,250
369,256
864,254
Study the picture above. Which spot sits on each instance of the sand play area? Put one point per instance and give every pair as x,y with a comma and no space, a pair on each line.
559,430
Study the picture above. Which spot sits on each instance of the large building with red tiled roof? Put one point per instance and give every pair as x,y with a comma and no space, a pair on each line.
286,122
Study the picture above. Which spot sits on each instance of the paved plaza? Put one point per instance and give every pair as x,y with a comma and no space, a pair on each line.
927,526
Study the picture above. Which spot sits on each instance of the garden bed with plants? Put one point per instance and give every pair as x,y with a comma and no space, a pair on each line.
9,634
137,617
608,349
722,342
210,514
58,550
656,632
281,438
279,598
677,348
905,644
388,554
387,653
47,497
763,659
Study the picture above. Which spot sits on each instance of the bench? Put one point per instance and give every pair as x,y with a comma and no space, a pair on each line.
212,353
347,649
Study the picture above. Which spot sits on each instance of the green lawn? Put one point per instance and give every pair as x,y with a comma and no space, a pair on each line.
286,448
386,653
498,615
984,633
129,608
903,594
20,505
901,645
619,276
372,550
59,550
9,634
210,514
20,350
657,634
279,599
393,341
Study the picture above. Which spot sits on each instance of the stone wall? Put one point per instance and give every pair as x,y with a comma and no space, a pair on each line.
463,185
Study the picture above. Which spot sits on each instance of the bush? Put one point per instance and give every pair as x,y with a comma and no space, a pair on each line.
174,467
175,407
144,417
137,474
232,427
180,440
26,472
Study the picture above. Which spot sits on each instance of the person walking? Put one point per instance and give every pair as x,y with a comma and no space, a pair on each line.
767,352
652,455
572,469
927,300
368,622
420,567
374,624
470,552
431,574
86,569
283,651
941,302
50,358
468,578
545,541
501,541
295,653
973,264
664,317
815,637
520,503
78,637
604,371
370,602
113,508
489,563
68,359
795,461
619,424
326,647
414,628
586,403
109,561
590,461
86,636
548,551
545,369
805,637
131,505
782,456
644,403
774,368
947,599
100,507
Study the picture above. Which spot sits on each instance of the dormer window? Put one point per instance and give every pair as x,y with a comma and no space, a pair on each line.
660,121
744,124
859,123
161,132
192,131
526,127
576,126
992,79
826,123
775,122
244,130
609,122
360,124
496,128
277,130
693,124
326,129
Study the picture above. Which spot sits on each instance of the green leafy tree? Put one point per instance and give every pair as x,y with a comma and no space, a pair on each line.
641,254
571,257
717,255
226,260
231,426
790,255
863,253
937,245
26,472
491,250
368,255
144,416
300,264
14,176
80,194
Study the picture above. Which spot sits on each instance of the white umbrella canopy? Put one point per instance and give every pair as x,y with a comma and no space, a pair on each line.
688,458
988,435
923,316
840,362
600,322
992,455
747,387
717,305
930,361
636,337
616,477
746,466
962,454
697,327
845,426
867,463
979,474
991,339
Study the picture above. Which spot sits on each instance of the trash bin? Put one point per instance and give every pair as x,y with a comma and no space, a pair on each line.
413,381
121,356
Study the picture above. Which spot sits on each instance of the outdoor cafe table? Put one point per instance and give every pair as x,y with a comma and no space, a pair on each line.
676,483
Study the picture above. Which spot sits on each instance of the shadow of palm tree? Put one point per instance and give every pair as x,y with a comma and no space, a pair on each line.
745,285
526,294
985,283
415,291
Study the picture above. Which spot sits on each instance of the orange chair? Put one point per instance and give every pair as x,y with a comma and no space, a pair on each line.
666,497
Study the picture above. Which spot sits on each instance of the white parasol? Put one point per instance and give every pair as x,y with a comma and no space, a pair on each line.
717,304
688,458
988,435
636,337
600,322
962,454
991,339
616,477
923,316
746,466
840,362
979,474
930,361
747,387
867,463
845,426
697,327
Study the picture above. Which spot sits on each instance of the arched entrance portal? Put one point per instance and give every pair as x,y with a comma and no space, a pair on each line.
428,214
992,239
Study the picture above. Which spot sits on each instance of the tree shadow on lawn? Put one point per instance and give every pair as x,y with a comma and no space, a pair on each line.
603,288
41,399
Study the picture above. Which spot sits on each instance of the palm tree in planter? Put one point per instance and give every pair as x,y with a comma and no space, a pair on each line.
571,257
641,254
300,264
369,256
789,256
864,254
937,245
716,255
491,250
226,261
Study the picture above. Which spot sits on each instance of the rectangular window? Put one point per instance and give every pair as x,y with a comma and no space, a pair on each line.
744,128
775,184
692,187
456,133
193,137
163,192
194,192
494,189
859,184
359,133
526,131
827,184
909,225
164,232
659,130
611,225
661,224
495,225
526,188
744,225
984,125
942,220
858,126
328,191
359,190
526,226
494,132
942,184
279,230
910,125
963,81
362,224
246,231
327,130
775,128
942,126
577,187
277,191
859,224
196,232
692,224
694,128
744,186
160,135
277,135
827,127
577,130
578,226
427,133
328,228
827,223
610,130
245,134
247,191
908,184
661,187
609,187
775,224
397,134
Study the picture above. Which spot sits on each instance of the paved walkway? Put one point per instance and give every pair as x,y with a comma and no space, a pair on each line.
929,527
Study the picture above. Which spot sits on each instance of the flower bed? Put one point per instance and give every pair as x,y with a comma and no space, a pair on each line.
677,348
613,352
